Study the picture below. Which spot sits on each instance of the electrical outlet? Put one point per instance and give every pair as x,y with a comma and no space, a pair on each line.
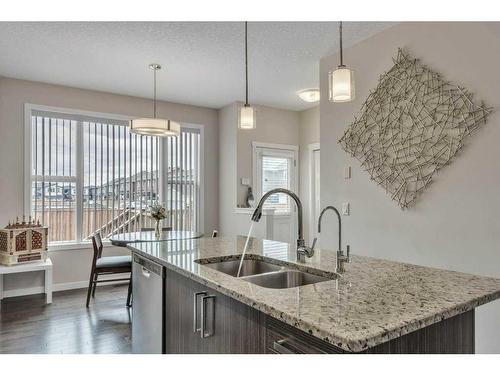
346,209
245,181
347,172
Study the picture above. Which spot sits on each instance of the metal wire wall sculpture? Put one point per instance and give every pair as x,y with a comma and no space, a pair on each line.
410,126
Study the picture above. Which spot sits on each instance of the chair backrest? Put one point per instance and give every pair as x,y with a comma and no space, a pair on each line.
97,244
165,229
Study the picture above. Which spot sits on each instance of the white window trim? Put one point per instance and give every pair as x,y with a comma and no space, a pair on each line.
256,172
27,181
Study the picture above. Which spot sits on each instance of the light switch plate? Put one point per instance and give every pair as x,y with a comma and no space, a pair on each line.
346,209
245,181
347,172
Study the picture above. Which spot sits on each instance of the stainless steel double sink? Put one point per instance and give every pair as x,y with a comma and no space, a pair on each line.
264,273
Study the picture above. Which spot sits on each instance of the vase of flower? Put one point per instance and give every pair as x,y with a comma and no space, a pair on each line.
158,213
157,229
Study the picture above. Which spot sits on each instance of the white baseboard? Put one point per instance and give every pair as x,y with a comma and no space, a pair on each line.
23,292
55,288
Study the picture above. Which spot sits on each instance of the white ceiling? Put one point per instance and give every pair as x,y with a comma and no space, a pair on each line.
203,62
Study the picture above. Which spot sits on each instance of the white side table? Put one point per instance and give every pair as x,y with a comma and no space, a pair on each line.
30,267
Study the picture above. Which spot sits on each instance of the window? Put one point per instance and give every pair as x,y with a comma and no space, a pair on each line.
90,174
275,167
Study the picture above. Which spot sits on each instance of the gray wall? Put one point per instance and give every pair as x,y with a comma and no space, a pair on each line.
273,126
308,134
227,167
455,225
73,266
235,160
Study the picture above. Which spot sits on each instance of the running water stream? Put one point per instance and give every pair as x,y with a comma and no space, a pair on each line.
245,248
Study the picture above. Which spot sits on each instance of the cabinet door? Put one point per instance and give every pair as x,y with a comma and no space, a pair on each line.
228,325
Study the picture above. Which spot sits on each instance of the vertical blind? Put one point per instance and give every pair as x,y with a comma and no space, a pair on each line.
54,180
120,178
92,175
182,180
276,174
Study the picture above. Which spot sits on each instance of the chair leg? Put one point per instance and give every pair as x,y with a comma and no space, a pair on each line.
95,284
129,294
89,290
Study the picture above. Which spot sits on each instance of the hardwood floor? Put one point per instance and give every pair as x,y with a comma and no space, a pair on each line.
27,325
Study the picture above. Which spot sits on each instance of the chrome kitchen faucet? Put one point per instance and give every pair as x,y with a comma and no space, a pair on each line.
302,249
341,257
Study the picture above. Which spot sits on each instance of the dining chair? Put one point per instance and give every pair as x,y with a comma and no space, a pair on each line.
107,266
164,229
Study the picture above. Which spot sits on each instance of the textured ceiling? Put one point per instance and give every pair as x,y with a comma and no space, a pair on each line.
203,62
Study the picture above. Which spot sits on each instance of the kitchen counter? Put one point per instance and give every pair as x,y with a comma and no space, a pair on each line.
373,302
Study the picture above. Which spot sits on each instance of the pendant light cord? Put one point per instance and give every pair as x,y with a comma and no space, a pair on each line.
341,54
246,63
154,94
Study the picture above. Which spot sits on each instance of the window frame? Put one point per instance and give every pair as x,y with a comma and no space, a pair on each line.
27,180
274,149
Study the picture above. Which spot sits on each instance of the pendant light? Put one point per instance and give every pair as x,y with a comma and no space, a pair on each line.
246,115
341,80
155,126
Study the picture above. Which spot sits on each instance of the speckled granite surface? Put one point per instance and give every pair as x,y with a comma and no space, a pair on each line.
374,301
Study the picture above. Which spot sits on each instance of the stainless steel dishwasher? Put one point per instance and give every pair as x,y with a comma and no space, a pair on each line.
147,308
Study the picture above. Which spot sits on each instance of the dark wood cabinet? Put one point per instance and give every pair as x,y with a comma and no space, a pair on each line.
201,320
229,326
454,335
282,338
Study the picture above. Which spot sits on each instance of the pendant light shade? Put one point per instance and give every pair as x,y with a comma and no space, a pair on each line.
341,80
246,117
155,126
246,114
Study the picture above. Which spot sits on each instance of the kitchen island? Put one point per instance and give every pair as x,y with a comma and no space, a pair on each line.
375,306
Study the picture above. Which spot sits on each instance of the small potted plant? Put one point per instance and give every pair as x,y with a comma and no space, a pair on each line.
157,212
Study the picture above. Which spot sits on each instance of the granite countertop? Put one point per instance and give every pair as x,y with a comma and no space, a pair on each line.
374,301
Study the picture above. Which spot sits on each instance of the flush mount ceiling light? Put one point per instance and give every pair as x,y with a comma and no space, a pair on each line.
341,80
155,126
309,95
246,115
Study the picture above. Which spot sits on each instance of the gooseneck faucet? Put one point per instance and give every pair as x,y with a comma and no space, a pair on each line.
341,258
302,249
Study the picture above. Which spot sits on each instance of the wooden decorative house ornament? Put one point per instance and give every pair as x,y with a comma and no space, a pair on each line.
23,242
412,125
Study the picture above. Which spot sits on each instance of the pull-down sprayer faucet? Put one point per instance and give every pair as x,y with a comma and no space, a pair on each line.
302,249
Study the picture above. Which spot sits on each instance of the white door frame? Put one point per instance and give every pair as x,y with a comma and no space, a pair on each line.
311,148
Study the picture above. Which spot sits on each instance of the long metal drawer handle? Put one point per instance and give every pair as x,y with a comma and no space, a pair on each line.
195,310
281,348
203,334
